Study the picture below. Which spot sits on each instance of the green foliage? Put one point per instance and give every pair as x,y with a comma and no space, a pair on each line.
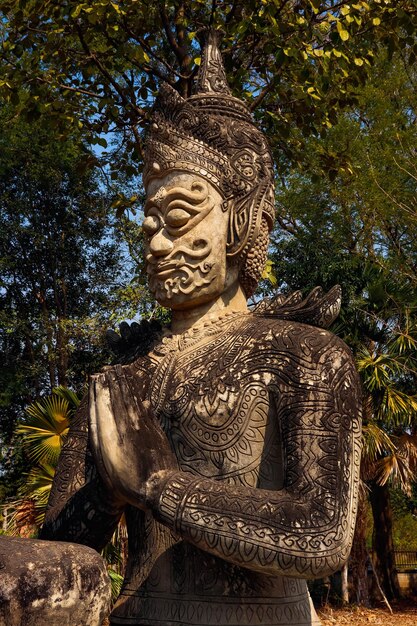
359,228
41,432
32,499
405,518
403,504
61,270
405,532
64,274
115,555
58,263
96,66
46,425
116,583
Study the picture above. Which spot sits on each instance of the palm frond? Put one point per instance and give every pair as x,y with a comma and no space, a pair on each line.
44,429
32,501
116,581
408,442
68,395
22,518
397,407
396,468
376,370
50,412
376,442
405,339
115,554
404,342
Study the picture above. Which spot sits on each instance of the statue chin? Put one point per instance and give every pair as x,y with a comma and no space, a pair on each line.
176,294
187,285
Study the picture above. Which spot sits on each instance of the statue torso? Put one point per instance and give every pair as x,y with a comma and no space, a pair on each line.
216,408
220,395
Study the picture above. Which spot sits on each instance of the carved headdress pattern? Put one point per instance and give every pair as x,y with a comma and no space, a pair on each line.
212,134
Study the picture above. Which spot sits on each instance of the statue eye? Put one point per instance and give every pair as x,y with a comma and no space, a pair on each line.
177,217
151,224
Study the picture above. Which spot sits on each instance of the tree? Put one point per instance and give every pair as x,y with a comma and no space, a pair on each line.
388,368
97,65
359,230
41,433
61,269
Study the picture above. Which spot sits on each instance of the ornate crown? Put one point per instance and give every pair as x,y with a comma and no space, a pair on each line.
212,134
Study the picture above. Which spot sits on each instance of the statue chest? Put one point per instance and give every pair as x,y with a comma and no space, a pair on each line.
218,413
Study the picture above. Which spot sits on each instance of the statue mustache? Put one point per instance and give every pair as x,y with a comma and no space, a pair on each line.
184,271
185,278
180,258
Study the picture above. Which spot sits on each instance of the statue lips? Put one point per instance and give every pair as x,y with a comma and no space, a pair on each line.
163,270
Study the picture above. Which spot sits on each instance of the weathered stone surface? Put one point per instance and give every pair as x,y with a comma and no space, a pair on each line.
45,583
232,442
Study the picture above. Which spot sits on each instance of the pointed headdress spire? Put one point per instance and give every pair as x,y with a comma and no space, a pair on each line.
211,77
211,90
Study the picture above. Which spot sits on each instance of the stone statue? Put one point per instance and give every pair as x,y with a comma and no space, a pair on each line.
232,440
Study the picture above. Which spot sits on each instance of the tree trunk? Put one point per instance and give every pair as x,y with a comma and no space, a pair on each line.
345,588
383,544
358,568
61,353
47,323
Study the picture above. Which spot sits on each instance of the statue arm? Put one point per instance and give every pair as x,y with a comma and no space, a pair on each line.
80,507
306,528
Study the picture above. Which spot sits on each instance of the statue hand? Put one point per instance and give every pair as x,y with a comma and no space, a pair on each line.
130,448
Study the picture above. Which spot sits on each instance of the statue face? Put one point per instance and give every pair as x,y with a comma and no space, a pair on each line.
186,233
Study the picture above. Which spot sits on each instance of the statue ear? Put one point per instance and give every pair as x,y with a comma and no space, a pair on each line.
245,217
241,214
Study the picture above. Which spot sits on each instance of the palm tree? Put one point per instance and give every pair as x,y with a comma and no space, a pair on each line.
388,370
381,327
43,431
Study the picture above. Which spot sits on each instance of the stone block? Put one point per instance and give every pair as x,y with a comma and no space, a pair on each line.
51,583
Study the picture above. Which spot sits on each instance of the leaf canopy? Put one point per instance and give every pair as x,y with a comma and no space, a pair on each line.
97,65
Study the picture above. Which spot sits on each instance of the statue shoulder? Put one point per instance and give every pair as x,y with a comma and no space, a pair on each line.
288,335
317,309
134,340
300,326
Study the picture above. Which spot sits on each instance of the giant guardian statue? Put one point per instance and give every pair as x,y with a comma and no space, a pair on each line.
231,440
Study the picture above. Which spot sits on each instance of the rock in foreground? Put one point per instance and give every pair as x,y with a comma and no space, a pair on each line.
54,583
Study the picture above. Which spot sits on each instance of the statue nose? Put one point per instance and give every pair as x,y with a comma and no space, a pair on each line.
160,244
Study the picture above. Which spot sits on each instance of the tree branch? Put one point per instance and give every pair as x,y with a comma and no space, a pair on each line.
139,111
63,86
152,54
170,35
257,101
